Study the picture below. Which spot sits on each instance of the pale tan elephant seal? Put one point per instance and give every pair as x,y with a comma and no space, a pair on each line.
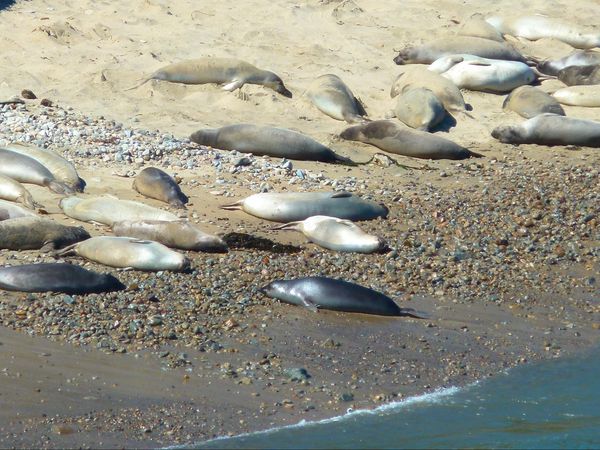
177,234
332,97
232,73
397,138
419,108
336,234
451,45
529,101
10,210
477,26
25,169
14,191
551,129
585,95
155,183
539,27
126,252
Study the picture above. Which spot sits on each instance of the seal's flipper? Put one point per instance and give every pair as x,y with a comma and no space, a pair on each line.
67,251
342,194
48,246
412,313
360,106
60,188
288,226
310,305
236,84
143,81
233,206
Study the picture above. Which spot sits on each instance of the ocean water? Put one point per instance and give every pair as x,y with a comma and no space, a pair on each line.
553,404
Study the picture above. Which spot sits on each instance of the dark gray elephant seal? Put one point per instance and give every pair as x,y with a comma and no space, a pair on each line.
270,141
33,233
155,183
576,58
57,277
551,129
231,72
529,101
336,295
25,169
580,75
399,139
452,45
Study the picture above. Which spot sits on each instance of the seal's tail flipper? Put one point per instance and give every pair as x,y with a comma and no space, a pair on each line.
475,154
143,81
67,251
60,188
287,226
344,160
412,313
233,206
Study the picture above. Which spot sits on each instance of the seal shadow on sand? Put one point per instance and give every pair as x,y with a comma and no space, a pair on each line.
445,125
249,242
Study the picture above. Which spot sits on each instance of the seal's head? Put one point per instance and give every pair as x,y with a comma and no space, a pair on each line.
274,82
405,56
508,134
280,290
351,133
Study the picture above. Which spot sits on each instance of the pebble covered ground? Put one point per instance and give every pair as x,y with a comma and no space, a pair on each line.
513,232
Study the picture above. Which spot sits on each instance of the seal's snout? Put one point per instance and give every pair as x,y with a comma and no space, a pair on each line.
281,89
264,290
400,58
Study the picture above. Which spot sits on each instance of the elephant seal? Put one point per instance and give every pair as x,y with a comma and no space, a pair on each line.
270,141
477,26
14,191
336,295
551,129
489,75
181,234
331,96
35,233
108,210
296,206
451,45
580,75
539,27
157,184
529,101
62,169
127,252
336,234
586,95
419,108
27,170
231,72
419,77
11,211
57,277
399,139
576,58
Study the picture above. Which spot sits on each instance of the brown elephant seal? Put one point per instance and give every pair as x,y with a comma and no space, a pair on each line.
336,234
446,91
61,169
580,75
529,101
231,72
27,170
575,58
180,234
126,252
336,295
57,277
270,141
332,97
155,183
14,191
585,95
294,206
35,233
397,138
419,108
476,26
108,210
551,129
451,45
10,210
539,27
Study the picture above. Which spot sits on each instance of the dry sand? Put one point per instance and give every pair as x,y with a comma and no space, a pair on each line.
82,55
